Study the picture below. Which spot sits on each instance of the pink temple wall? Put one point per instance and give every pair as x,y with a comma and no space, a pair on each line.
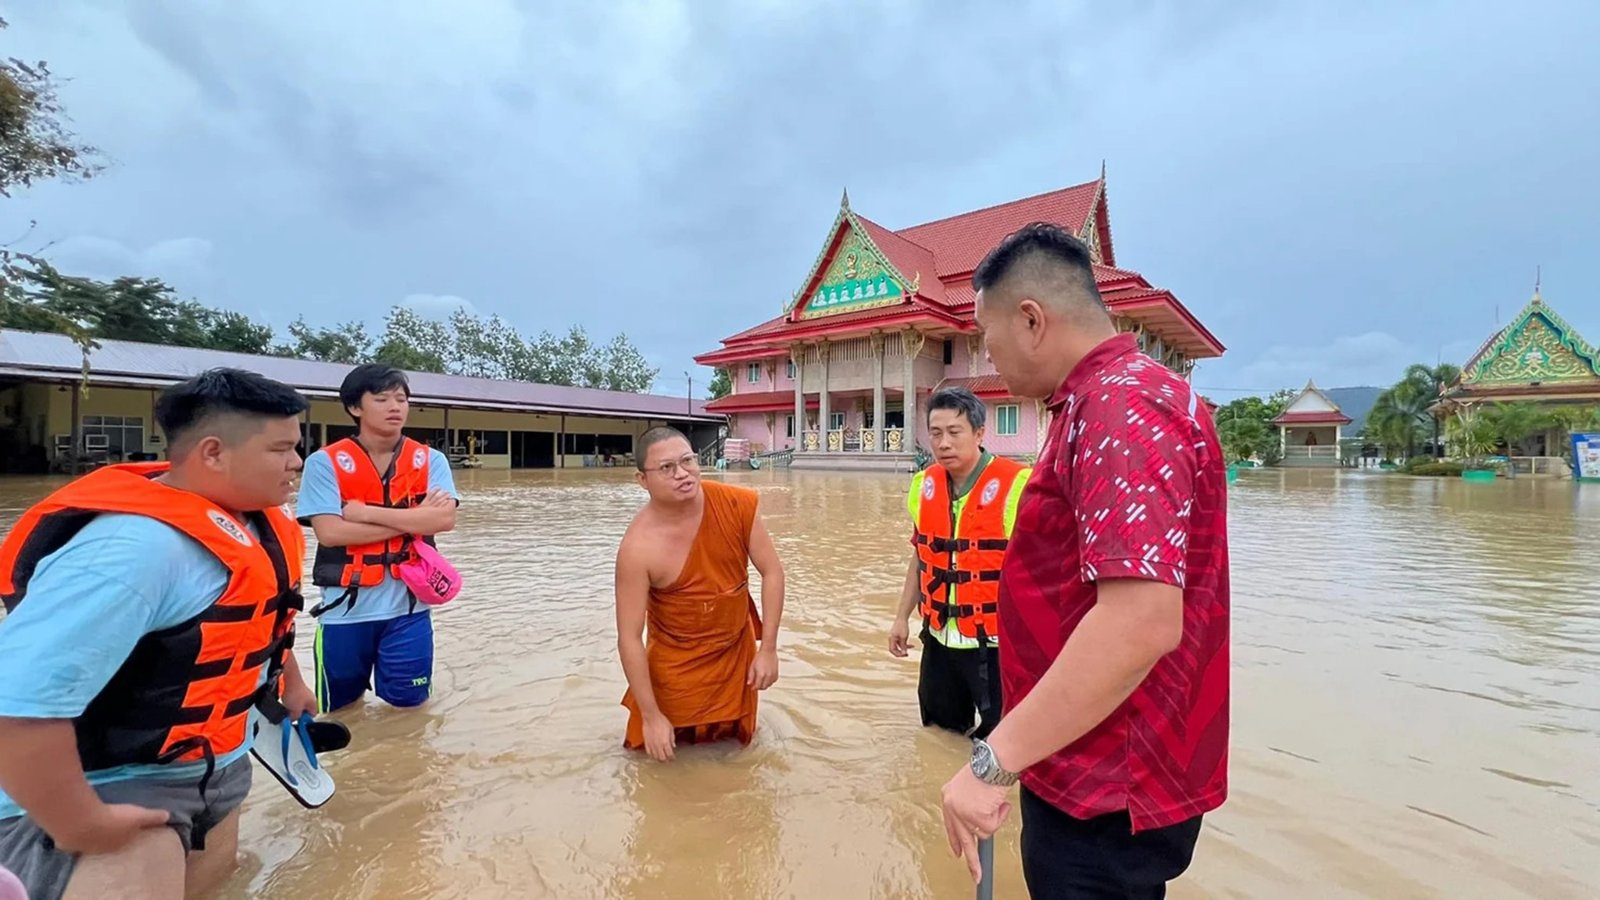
752,426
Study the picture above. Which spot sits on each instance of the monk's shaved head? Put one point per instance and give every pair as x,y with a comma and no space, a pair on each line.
1044,263
657,435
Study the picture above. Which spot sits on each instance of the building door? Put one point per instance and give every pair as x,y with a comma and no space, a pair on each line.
533,450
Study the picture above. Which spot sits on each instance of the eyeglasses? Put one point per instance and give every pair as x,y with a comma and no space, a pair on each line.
687,462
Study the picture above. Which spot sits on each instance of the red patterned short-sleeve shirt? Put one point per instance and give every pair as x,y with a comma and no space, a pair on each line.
1131,484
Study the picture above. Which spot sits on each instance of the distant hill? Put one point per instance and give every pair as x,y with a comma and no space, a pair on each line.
1354,402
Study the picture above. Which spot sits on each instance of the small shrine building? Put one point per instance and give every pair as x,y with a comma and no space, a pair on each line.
1309,429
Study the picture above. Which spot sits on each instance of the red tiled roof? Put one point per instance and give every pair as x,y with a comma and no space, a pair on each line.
910,258
1311,418
958,292
758,401
1104,275
944,253
982,385
960,242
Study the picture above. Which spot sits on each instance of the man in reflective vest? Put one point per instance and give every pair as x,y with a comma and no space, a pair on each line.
366,497
150,608
962,508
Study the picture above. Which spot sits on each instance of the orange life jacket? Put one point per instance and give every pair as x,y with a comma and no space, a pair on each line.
402,486
967,552
184,693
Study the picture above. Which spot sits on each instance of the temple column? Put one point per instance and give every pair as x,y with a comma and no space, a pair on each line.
912,341
823,412
797,353
974,347
877,393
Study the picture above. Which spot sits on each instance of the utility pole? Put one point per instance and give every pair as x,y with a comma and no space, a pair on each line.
691,392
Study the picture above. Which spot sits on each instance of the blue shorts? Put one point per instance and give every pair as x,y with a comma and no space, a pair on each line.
394,657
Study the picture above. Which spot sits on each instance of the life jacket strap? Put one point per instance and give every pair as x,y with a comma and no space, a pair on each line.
349,596
956,576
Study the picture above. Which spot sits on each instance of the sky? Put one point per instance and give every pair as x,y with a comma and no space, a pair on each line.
1335,192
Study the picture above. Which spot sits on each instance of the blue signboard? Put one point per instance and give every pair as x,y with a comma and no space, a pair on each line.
1586,457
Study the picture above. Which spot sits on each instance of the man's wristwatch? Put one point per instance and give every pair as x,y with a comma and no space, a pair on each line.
987,768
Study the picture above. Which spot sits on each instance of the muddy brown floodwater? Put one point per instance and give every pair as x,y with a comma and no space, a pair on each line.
1416,711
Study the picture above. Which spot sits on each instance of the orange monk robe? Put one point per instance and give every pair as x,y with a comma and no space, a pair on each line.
701,630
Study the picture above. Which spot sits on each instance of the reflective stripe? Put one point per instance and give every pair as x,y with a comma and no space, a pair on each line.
1014,498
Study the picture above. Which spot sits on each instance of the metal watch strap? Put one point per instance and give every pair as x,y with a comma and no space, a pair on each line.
991,771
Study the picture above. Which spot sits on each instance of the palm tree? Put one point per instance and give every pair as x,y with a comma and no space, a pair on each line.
1429,382
1473,434
1397,415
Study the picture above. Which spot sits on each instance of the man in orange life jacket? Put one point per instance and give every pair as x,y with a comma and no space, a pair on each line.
149,609
962,508
367,498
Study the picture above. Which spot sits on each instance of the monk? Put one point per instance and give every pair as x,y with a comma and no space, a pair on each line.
683,567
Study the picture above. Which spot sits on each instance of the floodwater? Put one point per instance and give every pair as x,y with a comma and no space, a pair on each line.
1416,712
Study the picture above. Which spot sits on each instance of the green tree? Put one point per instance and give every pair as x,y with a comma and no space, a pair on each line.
35,145
347,343
1472,433
1245,427
1514,422
1429,382
235,332
624,367
413,342
721,383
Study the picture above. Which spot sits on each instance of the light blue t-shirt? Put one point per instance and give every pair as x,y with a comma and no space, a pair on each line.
89,603
319,496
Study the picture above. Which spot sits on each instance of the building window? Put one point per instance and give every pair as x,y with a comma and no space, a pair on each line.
835,421
788,425
1005,419
791,369
949,351
752,373
123,434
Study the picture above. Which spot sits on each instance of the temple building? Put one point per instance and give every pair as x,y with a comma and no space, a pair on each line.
884,317
1309,429
1537,358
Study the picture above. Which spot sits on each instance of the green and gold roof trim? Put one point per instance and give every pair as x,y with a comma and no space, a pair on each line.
859,277
1538,346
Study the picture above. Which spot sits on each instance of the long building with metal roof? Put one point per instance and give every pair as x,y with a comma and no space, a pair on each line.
477,421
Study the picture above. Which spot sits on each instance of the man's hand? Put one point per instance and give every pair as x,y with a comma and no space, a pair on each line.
356,512
972,810
109,828
438,499
764,671
899,636
298,699
659,737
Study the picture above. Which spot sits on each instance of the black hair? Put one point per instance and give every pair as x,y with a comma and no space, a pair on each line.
370,378
1044,249
962,401
188,404
653,437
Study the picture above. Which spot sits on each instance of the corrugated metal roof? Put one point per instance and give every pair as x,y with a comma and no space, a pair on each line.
34,352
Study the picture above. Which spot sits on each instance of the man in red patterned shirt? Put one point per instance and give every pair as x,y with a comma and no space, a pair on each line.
1113,597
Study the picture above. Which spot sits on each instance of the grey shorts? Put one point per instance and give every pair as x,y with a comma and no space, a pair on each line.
45,870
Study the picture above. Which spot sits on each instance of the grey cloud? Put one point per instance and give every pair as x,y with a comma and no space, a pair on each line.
1297,174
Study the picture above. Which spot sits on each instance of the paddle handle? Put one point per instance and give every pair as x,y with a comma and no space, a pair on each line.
986,860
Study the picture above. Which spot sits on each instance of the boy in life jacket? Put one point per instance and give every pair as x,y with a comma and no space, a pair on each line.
962,509
367,498
150,608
